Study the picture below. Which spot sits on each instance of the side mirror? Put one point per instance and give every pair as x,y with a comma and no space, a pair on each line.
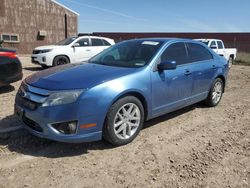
167,65
76,45
213,47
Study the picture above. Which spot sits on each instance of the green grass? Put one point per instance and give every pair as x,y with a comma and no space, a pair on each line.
243,58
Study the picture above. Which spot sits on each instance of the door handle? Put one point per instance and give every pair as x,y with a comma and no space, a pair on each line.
187,73
213,67
88,50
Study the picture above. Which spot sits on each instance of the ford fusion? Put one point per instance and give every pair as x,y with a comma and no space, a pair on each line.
112,94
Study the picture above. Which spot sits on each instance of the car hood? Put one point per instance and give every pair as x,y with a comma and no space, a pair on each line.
76,76
49,47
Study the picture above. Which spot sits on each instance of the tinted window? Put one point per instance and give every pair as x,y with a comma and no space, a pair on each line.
97,42
106,43
198,52
83,42
220,45
175,52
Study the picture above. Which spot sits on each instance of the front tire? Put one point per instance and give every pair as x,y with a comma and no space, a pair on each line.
215,93
60,60
124,121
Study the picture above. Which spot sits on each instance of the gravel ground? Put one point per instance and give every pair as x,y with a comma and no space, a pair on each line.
193,147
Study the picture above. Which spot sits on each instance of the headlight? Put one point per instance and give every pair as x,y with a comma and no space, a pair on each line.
45,51
64,97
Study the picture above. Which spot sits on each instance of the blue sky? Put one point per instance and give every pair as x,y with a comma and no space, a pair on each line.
161,15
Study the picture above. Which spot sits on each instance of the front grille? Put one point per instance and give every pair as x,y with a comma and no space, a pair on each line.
26,103
32,124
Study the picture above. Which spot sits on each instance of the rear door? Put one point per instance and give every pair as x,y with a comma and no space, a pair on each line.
170,88
97,45
203,68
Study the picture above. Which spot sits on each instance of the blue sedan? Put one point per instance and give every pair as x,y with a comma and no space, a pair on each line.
112,94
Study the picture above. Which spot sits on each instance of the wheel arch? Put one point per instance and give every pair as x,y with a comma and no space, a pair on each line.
139,96
231,55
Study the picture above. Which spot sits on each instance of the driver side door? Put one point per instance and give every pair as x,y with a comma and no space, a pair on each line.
171,88
83,51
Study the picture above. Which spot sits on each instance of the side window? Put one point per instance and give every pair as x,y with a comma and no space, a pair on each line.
198,52
175,52
106,43
96,42
220,45
213,45
83,42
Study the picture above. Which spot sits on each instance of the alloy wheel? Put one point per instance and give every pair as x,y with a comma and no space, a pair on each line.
217,92
127,121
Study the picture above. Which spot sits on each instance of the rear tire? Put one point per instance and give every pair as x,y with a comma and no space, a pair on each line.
123,121
230,61
215,93
60,60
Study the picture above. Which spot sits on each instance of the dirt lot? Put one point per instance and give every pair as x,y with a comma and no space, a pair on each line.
193,147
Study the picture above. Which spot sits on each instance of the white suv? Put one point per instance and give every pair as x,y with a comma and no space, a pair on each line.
70,50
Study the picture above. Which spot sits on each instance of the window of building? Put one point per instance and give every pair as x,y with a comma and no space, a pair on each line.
10,38
197,52
175,52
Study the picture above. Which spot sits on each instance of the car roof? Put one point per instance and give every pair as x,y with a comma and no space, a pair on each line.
208,39
165,40
93,36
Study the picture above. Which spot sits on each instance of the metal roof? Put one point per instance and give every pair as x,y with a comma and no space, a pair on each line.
54,1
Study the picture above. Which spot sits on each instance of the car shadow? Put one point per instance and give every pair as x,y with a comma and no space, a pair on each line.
172,115
23,142
6,89
34,68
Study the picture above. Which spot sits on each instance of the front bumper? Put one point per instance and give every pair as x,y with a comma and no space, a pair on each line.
38,120
42,59
39,123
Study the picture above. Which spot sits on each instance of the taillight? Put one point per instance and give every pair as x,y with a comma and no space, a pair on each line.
8,54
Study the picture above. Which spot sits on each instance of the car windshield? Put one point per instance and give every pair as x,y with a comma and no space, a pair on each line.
128,54
66,41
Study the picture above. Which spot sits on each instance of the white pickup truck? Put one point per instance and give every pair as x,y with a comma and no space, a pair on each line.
219,48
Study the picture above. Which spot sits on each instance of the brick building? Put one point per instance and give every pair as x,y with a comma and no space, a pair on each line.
25,24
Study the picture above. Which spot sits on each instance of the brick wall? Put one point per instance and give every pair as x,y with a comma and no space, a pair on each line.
27,17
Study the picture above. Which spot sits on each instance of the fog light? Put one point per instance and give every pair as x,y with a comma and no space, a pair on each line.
66,127
44,59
